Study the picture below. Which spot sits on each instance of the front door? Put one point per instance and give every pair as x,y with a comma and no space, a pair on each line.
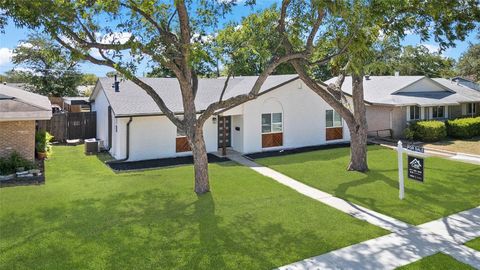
224,131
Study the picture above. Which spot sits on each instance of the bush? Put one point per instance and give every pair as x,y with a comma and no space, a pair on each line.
42,142
429,131
10,164
464,128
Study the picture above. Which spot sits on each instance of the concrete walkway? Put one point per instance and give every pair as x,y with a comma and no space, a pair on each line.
405,245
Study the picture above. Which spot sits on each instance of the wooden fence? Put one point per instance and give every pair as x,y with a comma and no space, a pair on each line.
70,125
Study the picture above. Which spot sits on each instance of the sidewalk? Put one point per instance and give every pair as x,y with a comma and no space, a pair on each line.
405,245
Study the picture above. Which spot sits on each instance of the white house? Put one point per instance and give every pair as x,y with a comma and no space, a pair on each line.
287,114
394,101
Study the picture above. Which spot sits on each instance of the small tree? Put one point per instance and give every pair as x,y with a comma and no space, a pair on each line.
50,70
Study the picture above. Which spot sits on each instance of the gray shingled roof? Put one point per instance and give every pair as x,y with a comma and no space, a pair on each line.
381,90
20,104
132,100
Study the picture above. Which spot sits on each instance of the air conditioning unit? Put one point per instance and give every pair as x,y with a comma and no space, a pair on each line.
91,146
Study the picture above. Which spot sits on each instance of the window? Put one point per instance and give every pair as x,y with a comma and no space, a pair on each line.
272,123
333,119
438,112
471,108
181,133
414,113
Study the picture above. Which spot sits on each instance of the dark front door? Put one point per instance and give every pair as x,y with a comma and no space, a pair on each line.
224,131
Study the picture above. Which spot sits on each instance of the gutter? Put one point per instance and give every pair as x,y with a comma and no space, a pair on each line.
127,144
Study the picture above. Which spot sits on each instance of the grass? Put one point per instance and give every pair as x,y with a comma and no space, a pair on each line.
87,217
475,244
449,186
469,146
437,261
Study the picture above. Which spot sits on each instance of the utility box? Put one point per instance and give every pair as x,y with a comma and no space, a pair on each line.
91,146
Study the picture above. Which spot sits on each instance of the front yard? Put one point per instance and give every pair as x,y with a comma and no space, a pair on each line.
468,146
436,262
87,217
449,186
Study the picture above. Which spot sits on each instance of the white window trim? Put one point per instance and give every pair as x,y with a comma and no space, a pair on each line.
341,121
444,112
420,116
474,108
271,123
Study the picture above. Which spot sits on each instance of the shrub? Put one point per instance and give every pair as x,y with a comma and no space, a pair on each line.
464,128
43,142
409,133
10,164
429,131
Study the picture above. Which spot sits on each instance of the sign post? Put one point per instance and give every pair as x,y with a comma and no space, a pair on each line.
400,170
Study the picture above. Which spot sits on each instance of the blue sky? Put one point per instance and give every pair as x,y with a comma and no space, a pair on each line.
13,36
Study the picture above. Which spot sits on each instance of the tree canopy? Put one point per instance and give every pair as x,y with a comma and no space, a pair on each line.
469,63
409,60
48,68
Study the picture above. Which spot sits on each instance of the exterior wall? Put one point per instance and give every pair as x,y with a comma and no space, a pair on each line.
303,119
101,107
399,121
153,137
379,117
454,111
385,117
17,136
237,135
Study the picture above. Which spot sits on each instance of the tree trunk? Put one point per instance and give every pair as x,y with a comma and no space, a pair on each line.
200,163
358,131
358,149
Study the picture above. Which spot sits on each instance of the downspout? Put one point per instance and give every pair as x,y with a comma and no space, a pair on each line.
127,144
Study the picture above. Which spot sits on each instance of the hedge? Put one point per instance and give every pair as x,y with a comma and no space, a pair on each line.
429,131
464,128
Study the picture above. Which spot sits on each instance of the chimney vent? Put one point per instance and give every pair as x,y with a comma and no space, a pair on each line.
397,74
4,83
116,84
367,77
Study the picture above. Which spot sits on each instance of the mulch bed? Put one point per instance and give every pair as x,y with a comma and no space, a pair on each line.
285,152
26,181
159,163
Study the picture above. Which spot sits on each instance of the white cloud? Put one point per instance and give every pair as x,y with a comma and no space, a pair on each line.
5,56
114,38
432,48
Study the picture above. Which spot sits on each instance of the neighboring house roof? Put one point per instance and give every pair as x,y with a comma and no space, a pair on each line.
412,90
132,100
17,104
76,100
467,82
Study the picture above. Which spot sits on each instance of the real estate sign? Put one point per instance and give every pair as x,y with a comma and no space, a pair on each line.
415,168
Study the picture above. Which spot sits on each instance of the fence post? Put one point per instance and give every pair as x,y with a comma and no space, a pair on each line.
400,170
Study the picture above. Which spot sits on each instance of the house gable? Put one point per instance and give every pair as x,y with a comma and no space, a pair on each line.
424,85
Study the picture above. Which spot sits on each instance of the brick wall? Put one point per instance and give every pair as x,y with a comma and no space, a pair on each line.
17,136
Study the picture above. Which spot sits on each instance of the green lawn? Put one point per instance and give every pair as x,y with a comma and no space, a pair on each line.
475,244
87,217
449,186
437,261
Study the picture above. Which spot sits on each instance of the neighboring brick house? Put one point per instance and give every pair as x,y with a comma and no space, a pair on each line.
19,110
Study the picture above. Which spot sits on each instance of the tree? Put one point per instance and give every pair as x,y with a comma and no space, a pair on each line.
49,69
122,34
469,63
409,60
89,79
354,26
13,76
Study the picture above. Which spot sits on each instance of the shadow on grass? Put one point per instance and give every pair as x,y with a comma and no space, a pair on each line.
145,230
